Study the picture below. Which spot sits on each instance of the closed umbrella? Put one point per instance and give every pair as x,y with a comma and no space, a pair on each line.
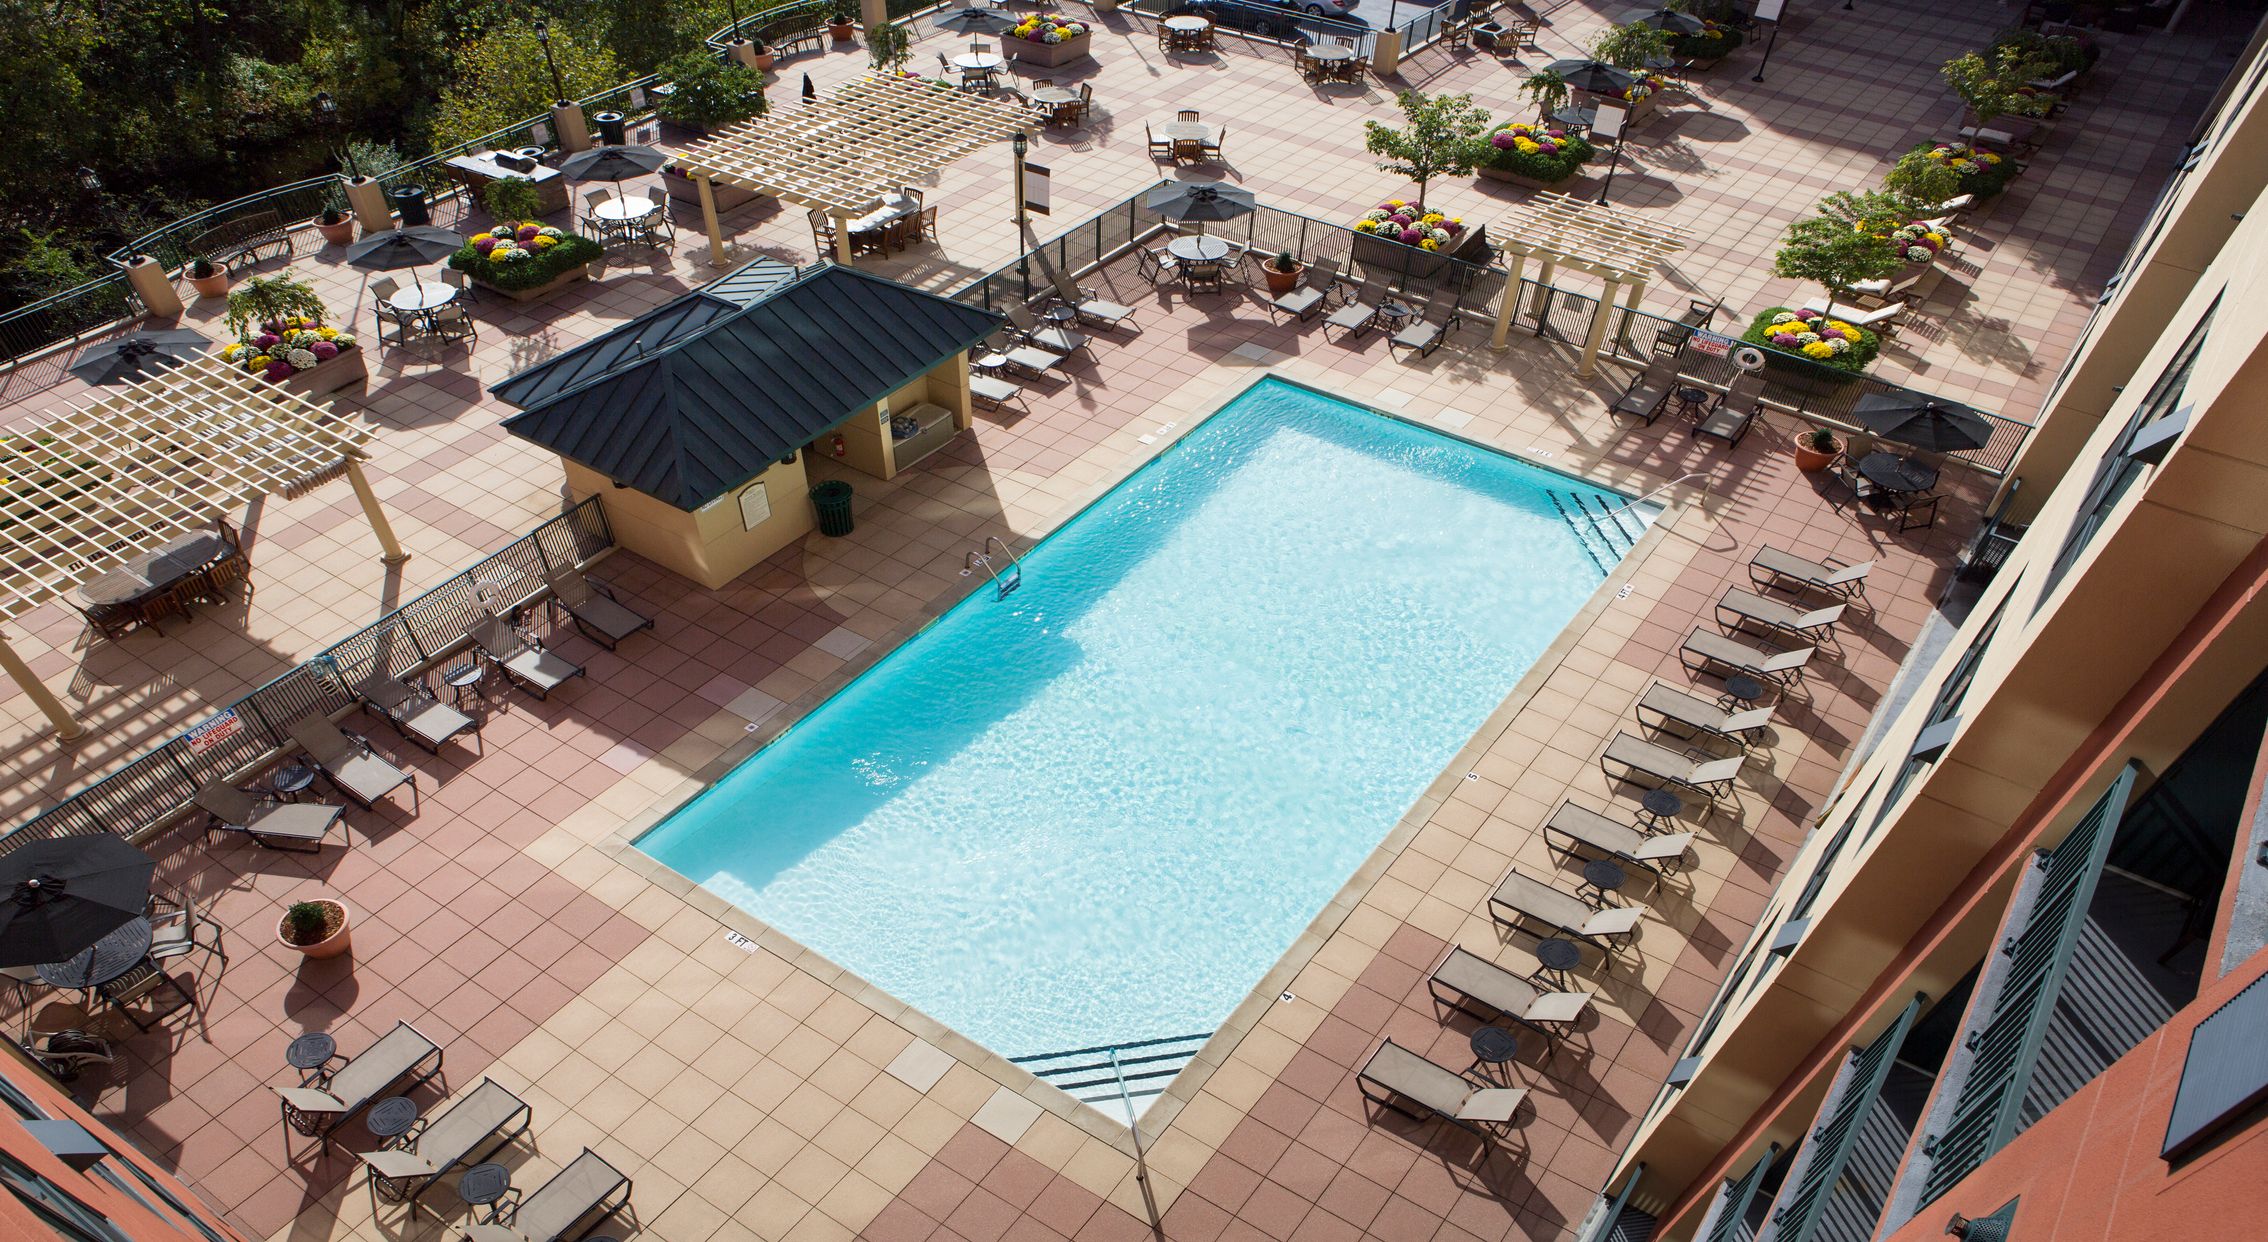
60,895
395,249
138,355
1922,422
1595,76
810,91
1199,202
1672,21
976,21
612,163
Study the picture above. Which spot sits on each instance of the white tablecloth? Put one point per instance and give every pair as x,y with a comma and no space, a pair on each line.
893,208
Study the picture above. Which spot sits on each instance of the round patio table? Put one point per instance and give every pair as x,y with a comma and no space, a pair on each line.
1198,248
391,1118
291,780
310,1053
1493,1048
1558,957
978,61
1188,25
1330,53
422,297
1741,690
106,959
1661,806
1604,876
484,1184
1897,474
623,209
1055,96
464,677
1577,118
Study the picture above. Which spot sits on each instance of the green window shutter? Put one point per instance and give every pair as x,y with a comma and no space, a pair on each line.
2005,1045
1727,1221
1820,1165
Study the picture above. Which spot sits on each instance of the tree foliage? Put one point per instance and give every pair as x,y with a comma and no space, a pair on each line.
1829,252
1632,47
503,78
1442,135
710,92
1992,84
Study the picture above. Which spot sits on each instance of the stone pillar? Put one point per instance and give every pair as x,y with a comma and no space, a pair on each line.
567,119
390,548
709,220
1544,274
1588,364
744,52
154,287
368,200
67,726
873,13
1508,306
1386,52
1631,293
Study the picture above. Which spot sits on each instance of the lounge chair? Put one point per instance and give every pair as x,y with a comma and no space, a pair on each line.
1741,606
1706,648
401,1056
1098,311
1583,827
353,768
1498,993
1424,334
522,658
1710,777
1699,715
1522,899
474,1126
1046,336
413,711
581,1194
1648,391
1733,414
601,618
1303,302
270,824
994,391
1354,316
1400,1079
1882,319
1771,567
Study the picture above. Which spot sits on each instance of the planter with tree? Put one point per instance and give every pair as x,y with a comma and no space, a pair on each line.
708,94
1828,250
1537,156
1282,272
842,20
1633,48
208,278
1547,91
512,198
336,226
527,261
889,46
1794,337
1442,136
281,337
1997,83
316,928
1934,166
1704,49
1817,449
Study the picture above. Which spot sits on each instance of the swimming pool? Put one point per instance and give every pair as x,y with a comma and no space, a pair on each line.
1099,809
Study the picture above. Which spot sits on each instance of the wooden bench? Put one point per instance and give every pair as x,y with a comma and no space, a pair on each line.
246,234
786,44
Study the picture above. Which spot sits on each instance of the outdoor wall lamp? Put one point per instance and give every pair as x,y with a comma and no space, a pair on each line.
89,180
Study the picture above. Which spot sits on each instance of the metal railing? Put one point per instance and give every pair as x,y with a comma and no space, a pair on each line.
1105,1072
150,792
1267,23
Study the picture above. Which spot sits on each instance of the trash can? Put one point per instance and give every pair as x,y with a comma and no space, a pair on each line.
610,128
410,201
832,500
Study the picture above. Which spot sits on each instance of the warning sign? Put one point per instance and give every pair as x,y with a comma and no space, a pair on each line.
215,733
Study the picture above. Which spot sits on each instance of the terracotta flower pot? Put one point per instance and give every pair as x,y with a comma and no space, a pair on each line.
841,32
331,945
1811,460
213,286
1280,283
336,234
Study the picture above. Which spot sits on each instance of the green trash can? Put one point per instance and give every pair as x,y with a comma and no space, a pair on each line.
832,500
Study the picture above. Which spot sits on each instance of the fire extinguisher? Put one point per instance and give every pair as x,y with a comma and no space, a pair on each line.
837,446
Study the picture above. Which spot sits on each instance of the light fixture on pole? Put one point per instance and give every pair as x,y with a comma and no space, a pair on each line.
327,112
89,179
558,88
1021,144
1769,11
735,36
1606,122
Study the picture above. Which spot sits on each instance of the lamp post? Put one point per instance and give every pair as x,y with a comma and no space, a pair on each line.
1768,11
327,111
735,7
1021,144
558,88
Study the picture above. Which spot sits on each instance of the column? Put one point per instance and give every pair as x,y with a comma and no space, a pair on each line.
368,199
873,13
1631,293
1588,364
574,136
67,726
1544,274
390,548
709,221
150,283
1385,52
842,238
1509,305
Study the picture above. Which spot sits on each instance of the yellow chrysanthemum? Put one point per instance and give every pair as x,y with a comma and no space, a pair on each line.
260,362
1429,244
1819,349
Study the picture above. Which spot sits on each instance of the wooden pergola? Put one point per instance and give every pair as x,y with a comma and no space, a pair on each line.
841,154
127,469
1619,247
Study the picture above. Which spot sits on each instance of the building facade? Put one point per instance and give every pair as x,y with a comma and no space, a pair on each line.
2011,983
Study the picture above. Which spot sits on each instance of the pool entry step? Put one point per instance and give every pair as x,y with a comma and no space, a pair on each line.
1107,1073
1002,583
1606,529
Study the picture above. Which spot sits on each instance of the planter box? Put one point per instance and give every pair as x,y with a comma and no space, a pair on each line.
1392,258
344,371
683,189
1050,55
1533,183
542,291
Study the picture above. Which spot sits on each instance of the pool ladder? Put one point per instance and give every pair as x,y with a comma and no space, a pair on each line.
1002,584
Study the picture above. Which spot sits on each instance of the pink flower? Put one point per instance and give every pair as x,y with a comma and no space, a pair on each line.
268,340
1451,227
1548,145
1412,236
324,349
1785,340
1502,140
277,370
528,232
485,244
1556,132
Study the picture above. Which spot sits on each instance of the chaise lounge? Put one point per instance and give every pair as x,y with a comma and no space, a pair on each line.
1648,391
1523,899
1706,648
474,1126
413,711
1673,706
1710,777
581,1194
595,611
402,1056
1741,606
353,768
1771,567
1400,1079
1475,981
1582,828
523,659
269,824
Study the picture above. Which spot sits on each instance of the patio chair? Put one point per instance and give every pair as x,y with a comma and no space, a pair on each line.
581,1194
1092,308
1160,148
306,825
822,230
594,226
1877,292
1742,607
1473,980
995,392
1521,900
1882,319
1733,414
1706,648
402,1058
1771,567
1648,392
413,711
657,224
173,930
595,611
1711,777
351,766
1048,337
1155,264
523,659
452,322
382,291
1581,828
1425,334
1354,317
466,290
1699,716
1303,302
1397,1078
475,1126
1187,114
1210,149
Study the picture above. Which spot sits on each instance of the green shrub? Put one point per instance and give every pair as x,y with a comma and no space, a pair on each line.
512,198
1558,154
538,264
1710,44
1976,170
709,92
1855,359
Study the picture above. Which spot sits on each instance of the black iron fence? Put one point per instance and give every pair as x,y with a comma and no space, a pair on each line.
1271,23
152,791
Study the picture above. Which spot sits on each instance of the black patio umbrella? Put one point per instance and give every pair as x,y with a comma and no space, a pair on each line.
395,249
1595,76
976,21
138,355
60,895
810,91
1200,202
612,163
1672,21
1922,422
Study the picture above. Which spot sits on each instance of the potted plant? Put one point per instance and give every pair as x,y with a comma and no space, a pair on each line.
762,52
1048,40
842,17
336,226
1547,90
1817,449
208,278
316,927
1282,272
889,46
512,198
281,337
526,261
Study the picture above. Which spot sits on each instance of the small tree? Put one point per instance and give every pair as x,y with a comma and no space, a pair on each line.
1829,252
1547,89
1632,47
512,198
266,299
1875,211
710,92
890,47
1444,136
1993,84
1922,180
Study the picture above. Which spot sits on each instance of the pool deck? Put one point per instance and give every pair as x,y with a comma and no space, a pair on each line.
754,1091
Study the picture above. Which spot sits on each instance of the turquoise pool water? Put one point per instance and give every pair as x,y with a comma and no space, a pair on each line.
1098,810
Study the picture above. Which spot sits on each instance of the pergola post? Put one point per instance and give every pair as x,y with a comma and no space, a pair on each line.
873,14
1544,274
67,726
390,548
709,220
1631,293
1588,364
842,240
1508,306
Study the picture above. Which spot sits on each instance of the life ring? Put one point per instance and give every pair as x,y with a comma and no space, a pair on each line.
1748,358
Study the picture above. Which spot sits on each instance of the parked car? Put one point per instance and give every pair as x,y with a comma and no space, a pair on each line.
1270,19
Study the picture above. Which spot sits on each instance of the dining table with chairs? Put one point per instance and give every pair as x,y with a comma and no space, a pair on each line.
197,567
1332,62
1186,33
435,307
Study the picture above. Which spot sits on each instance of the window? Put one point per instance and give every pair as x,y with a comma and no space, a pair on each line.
1944,719
2120,467
22,1103
1682,1072
157,1188
69,1217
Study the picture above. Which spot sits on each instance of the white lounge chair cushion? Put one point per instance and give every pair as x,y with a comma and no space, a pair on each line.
1558,1007
1492,1104
1668,845
398,1164
311,1100
1612,922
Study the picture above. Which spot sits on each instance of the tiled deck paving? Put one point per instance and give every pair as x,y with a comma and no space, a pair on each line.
757,1094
